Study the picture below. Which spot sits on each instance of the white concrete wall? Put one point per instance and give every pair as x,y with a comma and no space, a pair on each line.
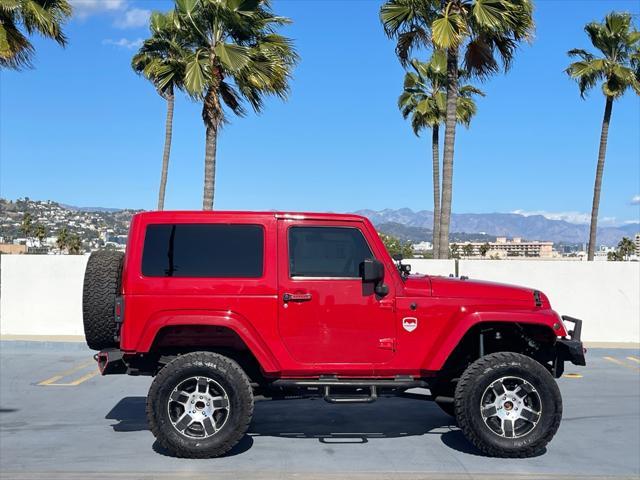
432,267
42,294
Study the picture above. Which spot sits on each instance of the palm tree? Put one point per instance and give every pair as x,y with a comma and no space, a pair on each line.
486,33
424,99
74,244
161,60
237,56
26,227
626,248
618,68
43,16
40,232
63,239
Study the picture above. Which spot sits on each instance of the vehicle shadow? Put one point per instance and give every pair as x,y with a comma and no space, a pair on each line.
329,424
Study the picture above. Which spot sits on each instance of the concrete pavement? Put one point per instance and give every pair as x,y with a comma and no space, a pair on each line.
58,419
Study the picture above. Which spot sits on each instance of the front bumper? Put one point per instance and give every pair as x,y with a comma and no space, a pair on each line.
569,349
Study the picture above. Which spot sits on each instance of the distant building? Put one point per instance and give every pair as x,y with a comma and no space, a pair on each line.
503,248
602,253
422,247
12,249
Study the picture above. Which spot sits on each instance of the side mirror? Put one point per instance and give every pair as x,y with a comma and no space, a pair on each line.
372,270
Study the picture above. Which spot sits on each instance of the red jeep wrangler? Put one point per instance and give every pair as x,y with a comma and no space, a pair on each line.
222,306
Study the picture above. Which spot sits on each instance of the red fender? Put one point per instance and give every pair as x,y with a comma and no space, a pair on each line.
229,319
464,321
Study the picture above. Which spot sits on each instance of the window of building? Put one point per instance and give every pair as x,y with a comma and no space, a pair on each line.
203,250
326,252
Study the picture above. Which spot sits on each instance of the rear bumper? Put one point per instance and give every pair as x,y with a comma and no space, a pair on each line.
110,362
570,349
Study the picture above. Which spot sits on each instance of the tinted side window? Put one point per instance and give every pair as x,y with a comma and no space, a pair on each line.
326,251
199,250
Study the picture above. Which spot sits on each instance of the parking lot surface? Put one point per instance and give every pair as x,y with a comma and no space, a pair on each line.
59,419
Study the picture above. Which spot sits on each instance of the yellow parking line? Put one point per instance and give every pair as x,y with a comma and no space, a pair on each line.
633,359
622,364
61,375
73,383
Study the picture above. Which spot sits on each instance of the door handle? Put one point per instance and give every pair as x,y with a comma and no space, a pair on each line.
387,304
296,297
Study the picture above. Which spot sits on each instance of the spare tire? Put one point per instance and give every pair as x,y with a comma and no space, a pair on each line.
102,284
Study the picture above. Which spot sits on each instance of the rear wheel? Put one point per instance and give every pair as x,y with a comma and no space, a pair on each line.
508,405
200,405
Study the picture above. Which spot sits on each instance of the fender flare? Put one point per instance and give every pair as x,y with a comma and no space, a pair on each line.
222,318
465,321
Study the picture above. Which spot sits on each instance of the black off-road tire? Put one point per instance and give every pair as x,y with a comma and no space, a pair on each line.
102,283
225,372
479,376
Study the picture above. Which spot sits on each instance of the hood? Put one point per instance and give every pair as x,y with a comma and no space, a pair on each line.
462,288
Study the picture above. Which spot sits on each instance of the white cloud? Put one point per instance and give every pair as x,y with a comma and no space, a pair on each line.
85,8
635,200
129,44
133,18
571,217
578,218
125,15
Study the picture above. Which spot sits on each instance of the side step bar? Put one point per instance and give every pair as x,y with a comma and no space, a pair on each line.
327,383
362,383
350,398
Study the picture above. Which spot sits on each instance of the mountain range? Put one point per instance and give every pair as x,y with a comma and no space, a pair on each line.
530,227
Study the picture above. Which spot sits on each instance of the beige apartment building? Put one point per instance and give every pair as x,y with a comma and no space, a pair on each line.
516,247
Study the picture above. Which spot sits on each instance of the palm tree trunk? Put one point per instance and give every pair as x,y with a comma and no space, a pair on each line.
449,141
210,167
211,113
168,132
435,145
602,152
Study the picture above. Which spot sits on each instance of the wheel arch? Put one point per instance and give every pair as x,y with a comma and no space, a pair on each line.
218,330
499,331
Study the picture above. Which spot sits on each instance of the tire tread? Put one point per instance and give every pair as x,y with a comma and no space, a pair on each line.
102,283
463,420
180,363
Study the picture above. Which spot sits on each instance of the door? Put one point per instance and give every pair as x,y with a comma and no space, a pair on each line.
326,313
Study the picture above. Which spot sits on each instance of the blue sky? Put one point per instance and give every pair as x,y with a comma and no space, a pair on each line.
83,129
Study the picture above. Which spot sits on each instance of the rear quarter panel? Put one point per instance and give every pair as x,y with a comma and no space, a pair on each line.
247,305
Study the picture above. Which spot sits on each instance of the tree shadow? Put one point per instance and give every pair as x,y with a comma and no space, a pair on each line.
327,423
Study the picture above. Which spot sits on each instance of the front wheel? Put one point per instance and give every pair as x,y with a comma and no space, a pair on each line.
508,405
200,405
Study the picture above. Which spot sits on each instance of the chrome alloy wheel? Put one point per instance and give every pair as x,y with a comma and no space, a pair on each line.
198,407
511,407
